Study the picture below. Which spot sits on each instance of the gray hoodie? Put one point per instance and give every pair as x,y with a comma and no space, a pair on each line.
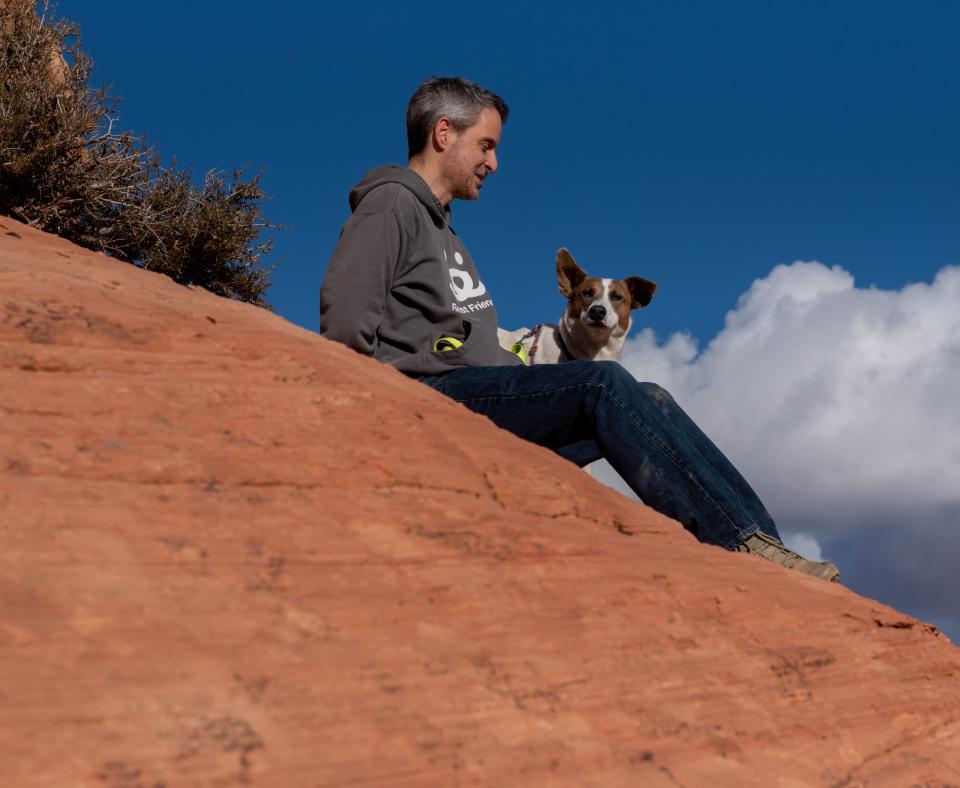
400,278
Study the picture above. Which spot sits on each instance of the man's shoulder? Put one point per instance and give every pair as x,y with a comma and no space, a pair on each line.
390,198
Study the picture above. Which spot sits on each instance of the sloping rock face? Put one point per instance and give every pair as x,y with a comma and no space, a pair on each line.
235,553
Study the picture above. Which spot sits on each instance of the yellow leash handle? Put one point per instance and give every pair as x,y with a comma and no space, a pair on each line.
518,349
447,343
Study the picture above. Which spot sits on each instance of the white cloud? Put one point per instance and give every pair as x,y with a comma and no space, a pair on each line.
804,544
839,405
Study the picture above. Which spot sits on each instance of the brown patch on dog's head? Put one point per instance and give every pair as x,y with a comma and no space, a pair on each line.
569,275
620,298
641,291
597,302
590,292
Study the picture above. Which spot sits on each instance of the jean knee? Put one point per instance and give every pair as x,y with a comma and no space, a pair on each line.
610,372
657,393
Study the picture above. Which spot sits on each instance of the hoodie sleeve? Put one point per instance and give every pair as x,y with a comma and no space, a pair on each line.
358,280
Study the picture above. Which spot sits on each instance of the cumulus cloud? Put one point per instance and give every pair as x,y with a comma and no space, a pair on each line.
839,405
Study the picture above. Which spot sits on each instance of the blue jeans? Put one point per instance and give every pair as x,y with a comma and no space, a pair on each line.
585,410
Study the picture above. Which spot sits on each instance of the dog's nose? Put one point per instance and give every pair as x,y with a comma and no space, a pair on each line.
597,312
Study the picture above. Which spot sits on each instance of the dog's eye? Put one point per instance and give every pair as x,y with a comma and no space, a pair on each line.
615,296
588,293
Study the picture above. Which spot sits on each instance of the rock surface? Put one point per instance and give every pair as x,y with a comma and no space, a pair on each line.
236,553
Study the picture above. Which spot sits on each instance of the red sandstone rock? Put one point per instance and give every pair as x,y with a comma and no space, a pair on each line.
234,552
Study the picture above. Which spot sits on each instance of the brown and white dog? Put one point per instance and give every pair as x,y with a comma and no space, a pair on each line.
595,323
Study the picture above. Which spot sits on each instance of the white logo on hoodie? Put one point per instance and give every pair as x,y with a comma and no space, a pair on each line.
461,283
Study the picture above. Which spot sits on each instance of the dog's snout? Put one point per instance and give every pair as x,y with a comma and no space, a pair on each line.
597,312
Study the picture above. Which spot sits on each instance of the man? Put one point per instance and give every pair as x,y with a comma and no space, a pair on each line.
387,293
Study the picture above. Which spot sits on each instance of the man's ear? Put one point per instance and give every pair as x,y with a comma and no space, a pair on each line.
641,291
569,274
443,134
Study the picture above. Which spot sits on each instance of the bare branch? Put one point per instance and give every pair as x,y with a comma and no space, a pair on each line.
66,167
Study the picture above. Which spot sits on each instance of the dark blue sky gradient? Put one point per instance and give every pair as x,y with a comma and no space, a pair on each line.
697,144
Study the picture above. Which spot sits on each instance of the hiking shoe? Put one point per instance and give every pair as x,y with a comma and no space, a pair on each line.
772,549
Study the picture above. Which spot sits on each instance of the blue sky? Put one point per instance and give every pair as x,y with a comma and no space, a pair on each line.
696,144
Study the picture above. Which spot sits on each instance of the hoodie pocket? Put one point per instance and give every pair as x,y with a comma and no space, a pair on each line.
455,355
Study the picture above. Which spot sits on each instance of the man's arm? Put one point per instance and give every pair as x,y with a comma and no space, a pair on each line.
358,280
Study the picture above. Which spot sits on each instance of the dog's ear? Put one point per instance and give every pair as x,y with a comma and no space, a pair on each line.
641,291
569,274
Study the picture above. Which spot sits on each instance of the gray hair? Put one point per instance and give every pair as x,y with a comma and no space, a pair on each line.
457,99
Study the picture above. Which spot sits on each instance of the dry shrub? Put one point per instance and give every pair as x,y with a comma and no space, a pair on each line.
65,168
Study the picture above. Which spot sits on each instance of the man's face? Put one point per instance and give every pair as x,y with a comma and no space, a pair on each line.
472,156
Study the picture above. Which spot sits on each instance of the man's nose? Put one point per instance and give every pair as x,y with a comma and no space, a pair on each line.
597,312
491,162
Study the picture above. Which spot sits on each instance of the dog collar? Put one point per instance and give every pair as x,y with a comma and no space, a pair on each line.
563,346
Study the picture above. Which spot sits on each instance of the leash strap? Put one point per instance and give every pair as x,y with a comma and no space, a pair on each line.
535,333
